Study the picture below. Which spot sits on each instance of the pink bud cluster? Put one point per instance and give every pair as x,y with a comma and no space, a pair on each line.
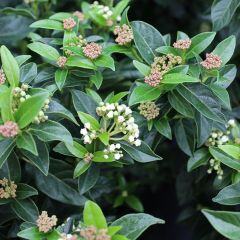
161,66
91,233
124,34
46,223
79,15
212,61
92,50
69,23
61,61
183,44
2,77
7,189
9,129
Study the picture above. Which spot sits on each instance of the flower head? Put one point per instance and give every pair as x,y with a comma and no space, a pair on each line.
9,129
46,223
212,61
161,66
88,233
124,34
2,77
80,15
182,44
61,61
92,50
7,189
69,23
149,110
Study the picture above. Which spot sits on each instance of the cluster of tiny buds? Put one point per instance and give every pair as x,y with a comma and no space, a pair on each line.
9,129
20,95
216,166
91,233
212,61
182,44
124,34
69,23
92,50
41,117
7,189
79,15
220,138
122,120
88,133
113,149
2,77
161,66
61,61
46,223
149,110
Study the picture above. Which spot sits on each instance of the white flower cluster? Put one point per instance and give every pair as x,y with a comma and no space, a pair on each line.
122,120
20,95
216,166
105,11
88,133
220,138
113,149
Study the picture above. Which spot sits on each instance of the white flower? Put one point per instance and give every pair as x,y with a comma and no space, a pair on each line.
214,135
87,125
224,138
120,108
87,139
118,146
232,122
110,114
105,156
84,131
137,142
130,120
119,18
106,9
117,156
121,119
131,138
128,111
101,104
112,147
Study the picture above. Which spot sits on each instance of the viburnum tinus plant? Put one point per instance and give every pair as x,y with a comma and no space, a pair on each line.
72,126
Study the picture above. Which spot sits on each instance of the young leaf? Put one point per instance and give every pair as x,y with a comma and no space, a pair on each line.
27,142
231,150
86,118
142,68
6,147
199,43
76,149
60,78
177,78
104,137
97,79
143,93
105,61
134,203
44,50
93,215
81,62
81,167
48,24
225,49
10,67
30,108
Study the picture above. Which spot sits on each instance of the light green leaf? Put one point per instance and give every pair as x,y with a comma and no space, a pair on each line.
176,78
60,77
86,118
231,150
27,142
10,67
44,50
142,68
93,215
48,24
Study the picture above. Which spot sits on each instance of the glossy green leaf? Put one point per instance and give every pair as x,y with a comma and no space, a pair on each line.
133,225
86,118
6,147
105,61
81,167
142,68
60,78
226,223
231,150
25,191
10,67
44,50
27,142
163,127
177,78
93,216
48,24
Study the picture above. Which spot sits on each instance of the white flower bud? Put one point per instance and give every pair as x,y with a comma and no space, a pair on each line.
87,125
137,142
131,138
110,114
117,156
84,131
